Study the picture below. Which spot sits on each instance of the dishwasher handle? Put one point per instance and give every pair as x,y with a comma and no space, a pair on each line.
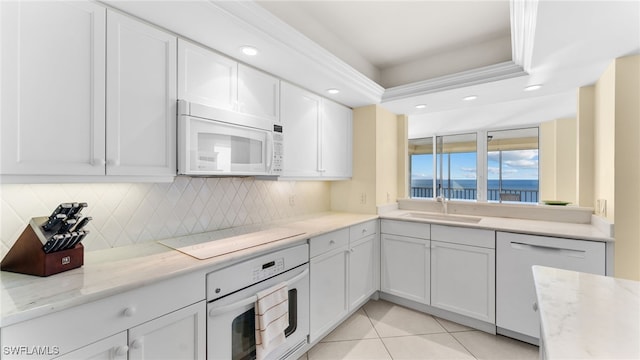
253,298
548,249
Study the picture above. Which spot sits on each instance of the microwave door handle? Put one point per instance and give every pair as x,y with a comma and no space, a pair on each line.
270,151
225,309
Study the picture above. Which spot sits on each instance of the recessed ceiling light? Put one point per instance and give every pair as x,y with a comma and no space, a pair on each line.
533,87
470,97
333,91
249,50
421,106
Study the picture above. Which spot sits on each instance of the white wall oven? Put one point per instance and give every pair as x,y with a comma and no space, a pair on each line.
213,142
231,297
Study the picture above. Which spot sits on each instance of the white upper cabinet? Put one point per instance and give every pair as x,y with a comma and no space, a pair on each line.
300,113
53,88
317,135
258,94
141,98
336,140
206,77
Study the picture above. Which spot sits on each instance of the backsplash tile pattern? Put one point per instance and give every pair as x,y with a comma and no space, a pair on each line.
125,214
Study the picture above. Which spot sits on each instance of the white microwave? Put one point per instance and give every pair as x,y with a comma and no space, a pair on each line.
215,142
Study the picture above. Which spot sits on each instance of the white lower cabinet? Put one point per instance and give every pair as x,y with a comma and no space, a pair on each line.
516,254
362,269
463,280
463,271
344,268
177,335
405,260
405,267
112,348
168,316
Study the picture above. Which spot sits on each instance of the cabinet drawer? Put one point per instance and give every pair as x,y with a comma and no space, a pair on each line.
363,230
464,236
406,228
73,328
333,240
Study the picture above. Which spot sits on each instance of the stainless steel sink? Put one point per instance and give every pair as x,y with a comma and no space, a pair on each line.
444,217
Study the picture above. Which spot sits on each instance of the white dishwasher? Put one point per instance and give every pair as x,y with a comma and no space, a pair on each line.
516,308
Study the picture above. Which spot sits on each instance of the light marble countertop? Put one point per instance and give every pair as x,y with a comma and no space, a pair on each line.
523,226
113,271
585,316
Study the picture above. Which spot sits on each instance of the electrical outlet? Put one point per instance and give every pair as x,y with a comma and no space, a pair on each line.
292,200
363,198
601,207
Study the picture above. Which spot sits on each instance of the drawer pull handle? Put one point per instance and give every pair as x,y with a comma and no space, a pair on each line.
122,350
535,306
332,242
136,344
129,312
364,231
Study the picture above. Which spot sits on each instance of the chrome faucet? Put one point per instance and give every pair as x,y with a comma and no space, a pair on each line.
443,200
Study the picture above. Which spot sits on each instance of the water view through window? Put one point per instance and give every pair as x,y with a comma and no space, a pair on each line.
511,158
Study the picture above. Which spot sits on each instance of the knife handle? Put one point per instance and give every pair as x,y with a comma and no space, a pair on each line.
82,223
53,222
76,208
59,246
52,243
67,224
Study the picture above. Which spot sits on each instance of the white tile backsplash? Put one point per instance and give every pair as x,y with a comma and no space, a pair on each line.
125,214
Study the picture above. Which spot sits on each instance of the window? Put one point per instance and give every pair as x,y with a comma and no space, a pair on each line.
448,168
512,165
457,159
421,167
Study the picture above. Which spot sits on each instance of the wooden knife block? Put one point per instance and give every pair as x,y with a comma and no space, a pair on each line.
27,257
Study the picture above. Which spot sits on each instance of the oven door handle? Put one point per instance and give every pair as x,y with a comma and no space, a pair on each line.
252,299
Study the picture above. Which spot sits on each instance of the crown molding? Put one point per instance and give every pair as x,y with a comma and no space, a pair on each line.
501,71
523,28
260,21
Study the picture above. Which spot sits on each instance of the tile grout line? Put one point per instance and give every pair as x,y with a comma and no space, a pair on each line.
376,331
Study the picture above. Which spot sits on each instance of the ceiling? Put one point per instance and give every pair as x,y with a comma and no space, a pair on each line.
400,54
400,42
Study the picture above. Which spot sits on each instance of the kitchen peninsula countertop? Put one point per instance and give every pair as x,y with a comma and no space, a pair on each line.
521,226
113,271
586,316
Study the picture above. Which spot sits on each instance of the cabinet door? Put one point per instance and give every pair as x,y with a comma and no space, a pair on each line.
300,114
463,280
177,335
516,293
362,267
141,98
53,88
206,77
405,268
328,291
336,139
258,94
112,348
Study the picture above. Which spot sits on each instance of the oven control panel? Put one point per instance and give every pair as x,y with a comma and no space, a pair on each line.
268,269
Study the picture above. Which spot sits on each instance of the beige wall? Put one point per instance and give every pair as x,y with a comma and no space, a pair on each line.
585,149
558,160
358,194
386,156
403,156
615,150
375,162
627,167
604,140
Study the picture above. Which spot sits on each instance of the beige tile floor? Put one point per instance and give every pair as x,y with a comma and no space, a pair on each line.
381,330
